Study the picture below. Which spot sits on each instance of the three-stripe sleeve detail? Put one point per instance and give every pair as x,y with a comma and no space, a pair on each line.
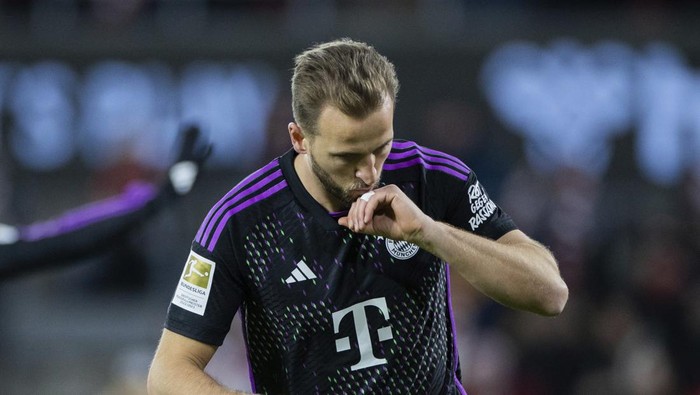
256,187
406,154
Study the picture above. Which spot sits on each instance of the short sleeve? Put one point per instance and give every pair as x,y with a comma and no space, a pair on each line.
207,296
472,209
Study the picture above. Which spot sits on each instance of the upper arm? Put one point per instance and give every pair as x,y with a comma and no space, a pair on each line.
514,236
469,207
518,237
175,348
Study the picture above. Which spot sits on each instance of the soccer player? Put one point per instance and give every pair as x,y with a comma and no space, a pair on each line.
336,252
89,229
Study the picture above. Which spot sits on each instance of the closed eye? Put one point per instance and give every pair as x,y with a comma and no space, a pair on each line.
357,156
346,157
384,148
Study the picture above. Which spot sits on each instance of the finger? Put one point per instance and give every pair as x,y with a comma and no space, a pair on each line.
367,196
354,221
362,216
357,215
365,215
353,218
371,205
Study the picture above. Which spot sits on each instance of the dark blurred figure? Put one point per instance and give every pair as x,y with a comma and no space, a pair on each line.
102,226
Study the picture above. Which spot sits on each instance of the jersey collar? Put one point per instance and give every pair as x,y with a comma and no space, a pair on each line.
329,221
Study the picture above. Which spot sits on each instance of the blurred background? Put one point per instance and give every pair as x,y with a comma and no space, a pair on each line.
581,118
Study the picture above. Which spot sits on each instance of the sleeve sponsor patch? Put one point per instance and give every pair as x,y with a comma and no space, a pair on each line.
192,292
482,207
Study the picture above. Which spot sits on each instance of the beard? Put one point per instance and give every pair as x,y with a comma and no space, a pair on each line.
345,196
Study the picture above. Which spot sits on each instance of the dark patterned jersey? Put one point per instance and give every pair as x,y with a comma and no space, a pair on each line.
326,310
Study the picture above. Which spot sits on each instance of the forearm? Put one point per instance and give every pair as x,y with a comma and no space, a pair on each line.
515,271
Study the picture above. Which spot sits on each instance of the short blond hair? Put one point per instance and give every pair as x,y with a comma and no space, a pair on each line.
349,75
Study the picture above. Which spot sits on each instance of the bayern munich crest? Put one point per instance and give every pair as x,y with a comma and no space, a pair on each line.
401,249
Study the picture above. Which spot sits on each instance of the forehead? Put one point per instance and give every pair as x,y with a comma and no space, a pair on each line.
338,131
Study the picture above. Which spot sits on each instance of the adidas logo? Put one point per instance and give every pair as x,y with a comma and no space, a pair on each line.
300,273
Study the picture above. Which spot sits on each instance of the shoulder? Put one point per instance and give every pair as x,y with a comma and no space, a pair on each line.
410,155
254,196
258,186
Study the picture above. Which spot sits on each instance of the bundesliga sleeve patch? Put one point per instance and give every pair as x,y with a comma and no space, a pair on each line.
192,292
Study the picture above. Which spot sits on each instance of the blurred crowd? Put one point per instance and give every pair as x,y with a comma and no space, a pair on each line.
628,246
629,251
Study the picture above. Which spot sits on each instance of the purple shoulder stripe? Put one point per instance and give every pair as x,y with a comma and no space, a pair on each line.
244,193
431,154
231,212
244,186
428,158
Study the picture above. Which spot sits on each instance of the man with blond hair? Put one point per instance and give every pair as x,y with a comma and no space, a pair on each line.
336,252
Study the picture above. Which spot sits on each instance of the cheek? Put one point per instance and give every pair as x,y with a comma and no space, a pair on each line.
345,177
340,174
341,171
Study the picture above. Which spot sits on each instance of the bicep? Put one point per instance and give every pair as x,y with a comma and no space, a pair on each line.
515,236
528,246
518,237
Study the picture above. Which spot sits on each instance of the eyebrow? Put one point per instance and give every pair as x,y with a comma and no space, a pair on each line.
349,154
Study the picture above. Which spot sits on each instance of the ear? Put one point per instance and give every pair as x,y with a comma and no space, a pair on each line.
297,137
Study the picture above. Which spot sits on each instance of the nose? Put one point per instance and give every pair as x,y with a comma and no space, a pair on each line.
367,171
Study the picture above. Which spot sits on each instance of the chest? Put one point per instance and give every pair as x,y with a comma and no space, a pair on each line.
289,260
340,300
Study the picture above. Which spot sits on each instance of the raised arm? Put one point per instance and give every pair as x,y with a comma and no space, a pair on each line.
513,270
91,228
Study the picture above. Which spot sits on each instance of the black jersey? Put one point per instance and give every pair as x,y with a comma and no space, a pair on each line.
326,310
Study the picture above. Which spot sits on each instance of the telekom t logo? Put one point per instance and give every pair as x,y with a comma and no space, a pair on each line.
364,340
